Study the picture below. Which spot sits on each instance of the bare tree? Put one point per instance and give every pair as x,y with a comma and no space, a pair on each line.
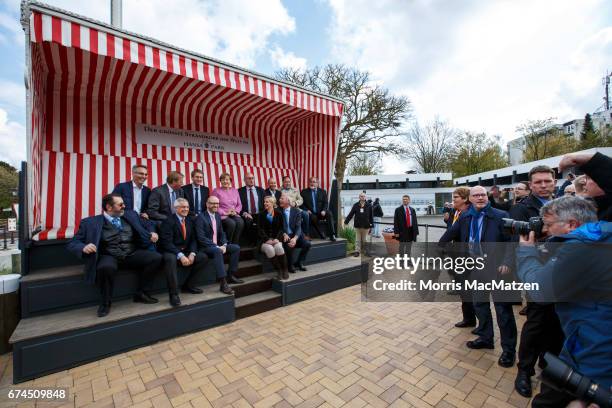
431,146
365,164
372,116
544,139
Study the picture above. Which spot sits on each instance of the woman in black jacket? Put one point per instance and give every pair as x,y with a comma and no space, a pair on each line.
377,214
362,211
270,234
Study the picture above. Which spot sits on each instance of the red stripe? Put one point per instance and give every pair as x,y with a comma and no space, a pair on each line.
123,106
56,30
101,99
51,189
93,41
75,35
65,190
63,99
110,45
93,63
79,189
112,106
38,31
92,185
76,102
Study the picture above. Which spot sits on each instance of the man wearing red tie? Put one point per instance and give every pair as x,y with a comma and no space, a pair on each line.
405,225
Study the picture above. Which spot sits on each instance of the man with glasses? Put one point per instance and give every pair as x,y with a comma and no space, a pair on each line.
542,330
521,190
112,240
134,193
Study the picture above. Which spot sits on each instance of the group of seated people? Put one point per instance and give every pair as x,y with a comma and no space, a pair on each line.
176,225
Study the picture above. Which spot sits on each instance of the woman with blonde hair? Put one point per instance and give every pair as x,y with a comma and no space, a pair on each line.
229,208
270,234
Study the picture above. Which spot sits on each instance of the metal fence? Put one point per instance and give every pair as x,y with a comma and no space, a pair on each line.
7,237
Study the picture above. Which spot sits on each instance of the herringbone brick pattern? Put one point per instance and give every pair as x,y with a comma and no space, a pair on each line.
330,351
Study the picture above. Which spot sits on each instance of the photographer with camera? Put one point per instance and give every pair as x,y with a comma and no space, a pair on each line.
578,275
542,330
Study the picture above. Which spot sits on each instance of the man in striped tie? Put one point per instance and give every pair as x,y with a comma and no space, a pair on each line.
178,243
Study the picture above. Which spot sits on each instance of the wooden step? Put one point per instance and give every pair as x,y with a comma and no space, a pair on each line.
257,303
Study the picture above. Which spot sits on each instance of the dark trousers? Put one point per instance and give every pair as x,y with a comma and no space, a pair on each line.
171,265
314,221
467,305
233,226
301,243
146,262
215,254
551,398
505,322
405,246
541,333
250,229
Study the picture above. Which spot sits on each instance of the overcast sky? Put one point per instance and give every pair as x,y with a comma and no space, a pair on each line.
485,65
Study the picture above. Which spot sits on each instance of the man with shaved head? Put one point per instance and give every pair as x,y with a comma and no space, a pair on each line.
483,224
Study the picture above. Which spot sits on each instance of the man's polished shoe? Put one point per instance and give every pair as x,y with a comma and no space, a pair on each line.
479,344
463,323
192,289
291,269
506,359
143,297
224,288
522,384
175,300
300,266
475,331
103,309
233,279
332,238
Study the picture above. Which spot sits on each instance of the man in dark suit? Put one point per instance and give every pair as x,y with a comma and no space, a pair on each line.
293,237
160,205
483,225
273,190
251,199
405,225
178,242
196,193
315,203
116,238
134,193
212,240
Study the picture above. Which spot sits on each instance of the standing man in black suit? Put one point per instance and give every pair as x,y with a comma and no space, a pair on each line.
272,189
179,245
405,225
134,193
251,199
196,193
116,238
315,202
161,201
293,237
212,240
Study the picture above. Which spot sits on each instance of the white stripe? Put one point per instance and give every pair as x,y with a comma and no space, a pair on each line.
71,191
46,28
32,30
162,60
222,77
102,49
71,83
175,64
200,70
59,183
134,52
148,56
232,79
84,33
188,68
45,189
211,74
86,187
118,48
66,33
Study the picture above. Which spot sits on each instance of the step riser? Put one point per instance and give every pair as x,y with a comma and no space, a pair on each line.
45,355
48,296
251,288
259,307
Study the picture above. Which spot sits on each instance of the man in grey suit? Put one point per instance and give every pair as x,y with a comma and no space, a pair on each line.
292,234
160,205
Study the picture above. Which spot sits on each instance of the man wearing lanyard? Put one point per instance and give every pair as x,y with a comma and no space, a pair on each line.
196,193
479,226
542,331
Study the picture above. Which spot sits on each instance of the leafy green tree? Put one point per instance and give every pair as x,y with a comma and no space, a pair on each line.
9,180
476,152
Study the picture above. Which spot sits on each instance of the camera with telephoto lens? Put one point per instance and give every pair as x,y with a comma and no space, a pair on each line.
564,378
514,227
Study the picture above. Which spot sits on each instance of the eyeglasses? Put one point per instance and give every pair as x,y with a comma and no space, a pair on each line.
479,195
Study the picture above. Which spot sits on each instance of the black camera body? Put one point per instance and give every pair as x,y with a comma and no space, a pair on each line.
562,377
535,224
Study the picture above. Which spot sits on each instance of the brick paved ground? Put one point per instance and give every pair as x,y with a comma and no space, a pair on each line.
330,351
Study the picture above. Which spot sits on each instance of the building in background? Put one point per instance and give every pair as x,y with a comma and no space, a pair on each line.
426,190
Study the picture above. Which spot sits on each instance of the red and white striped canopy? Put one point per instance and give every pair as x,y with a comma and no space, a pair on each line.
90,85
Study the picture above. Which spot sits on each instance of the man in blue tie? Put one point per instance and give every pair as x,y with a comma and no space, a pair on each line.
315,203
293,237
116,239
162,198
196,193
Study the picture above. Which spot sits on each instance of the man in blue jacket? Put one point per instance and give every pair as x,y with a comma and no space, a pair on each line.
134,193
578,276
116,238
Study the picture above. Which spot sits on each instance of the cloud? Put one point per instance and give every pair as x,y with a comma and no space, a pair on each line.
282,59
235,31
484,66
12,94
12,140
